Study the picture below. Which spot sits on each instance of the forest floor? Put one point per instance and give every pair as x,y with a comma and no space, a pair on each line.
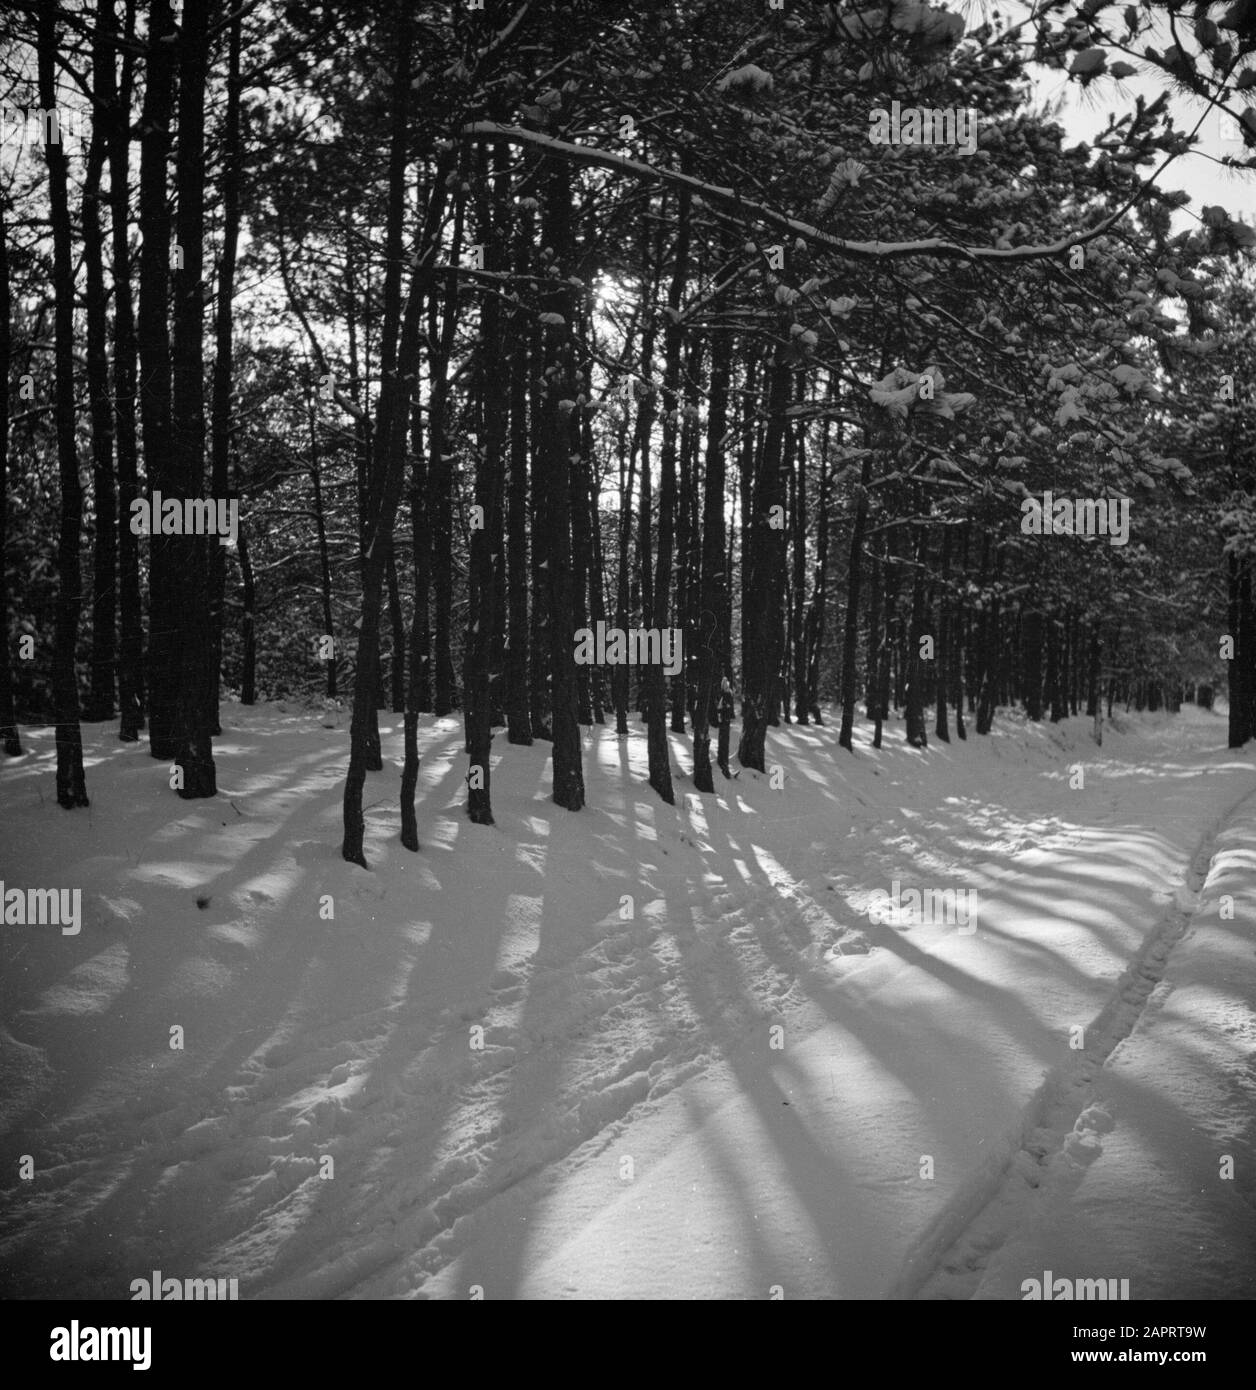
704,1072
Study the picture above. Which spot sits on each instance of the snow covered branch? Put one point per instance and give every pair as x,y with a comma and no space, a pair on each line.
757,212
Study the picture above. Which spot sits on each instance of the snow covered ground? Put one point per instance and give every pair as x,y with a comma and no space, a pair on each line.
704,1072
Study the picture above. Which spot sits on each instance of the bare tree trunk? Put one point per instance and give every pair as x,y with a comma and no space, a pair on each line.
8,721
518,678
660,614
959,646
880,671
765,562
117,103
220,409
417,684
854,583
688,562
802,705
324,561
988,647
1057,672
942,648
816,613
486,538
248,632
104,569
597,575
558,442
153,336
915,729
711,606
197,683
71,784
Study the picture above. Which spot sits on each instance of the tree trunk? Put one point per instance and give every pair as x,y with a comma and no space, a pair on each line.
131,694
440,485
559,441
1240,664
850,639
1057,678
223,375
153,337
197,682
597,574
627,479
884,649
765,561
959,642
802,705
486,538
916,731
71,784
104,569
686,543
582,563
1031,662
660,615
713,597
518,705
942,652
8,721
419,686
819,596
248,625
324,560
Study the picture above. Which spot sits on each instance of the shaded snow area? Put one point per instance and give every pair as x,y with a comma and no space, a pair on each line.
638,1051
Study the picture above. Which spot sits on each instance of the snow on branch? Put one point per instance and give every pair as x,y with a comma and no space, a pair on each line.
730,198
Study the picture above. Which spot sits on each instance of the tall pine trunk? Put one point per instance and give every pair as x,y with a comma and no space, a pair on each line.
71,784
220,409
8,722
942,650
195,710
711,605
153,336
104,566
517,678
660,614
764,567
558,443
116,103
486,536
854,587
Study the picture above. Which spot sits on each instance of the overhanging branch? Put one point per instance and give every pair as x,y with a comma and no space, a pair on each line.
752,211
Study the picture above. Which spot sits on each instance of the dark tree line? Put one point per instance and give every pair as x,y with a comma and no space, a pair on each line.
503,324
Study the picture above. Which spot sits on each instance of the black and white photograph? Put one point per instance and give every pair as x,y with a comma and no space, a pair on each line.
628,666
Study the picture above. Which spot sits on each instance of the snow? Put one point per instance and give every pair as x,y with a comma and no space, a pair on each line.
705,1073
869,250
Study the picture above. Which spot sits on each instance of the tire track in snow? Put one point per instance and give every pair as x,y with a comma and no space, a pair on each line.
1055,1133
